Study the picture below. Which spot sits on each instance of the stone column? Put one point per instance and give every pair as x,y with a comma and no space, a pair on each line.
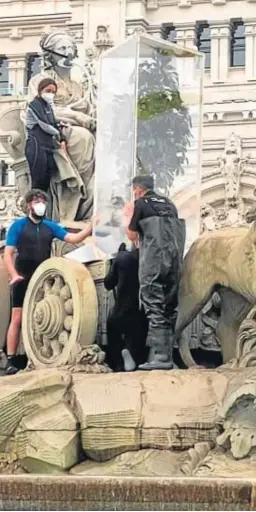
220,51
156,31
135,17
17,66
186,34
250,48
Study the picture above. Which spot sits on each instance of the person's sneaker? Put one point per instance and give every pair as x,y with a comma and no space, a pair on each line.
129,363
11,370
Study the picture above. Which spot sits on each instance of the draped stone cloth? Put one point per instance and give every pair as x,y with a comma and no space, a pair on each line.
72,186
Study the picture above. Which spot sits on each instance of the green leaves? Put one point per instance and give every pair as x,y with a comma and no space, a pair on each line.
163,123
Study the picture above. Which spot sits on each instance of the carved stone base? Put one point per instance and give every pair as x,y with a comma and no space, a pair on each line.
60,313
162,423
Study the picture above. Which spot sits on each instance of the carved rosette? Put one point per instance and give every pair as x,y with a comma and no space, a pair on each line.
60,313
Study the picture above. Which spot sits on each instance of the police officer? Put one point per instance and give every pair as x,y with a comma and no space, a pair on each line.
162,239
31,237
127,324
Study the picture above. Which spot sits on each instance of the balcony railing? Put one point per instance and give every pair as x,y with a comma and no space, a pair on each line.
9,91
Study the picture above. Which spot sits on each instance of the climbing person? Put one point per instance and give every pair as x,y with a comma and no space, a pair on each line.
126,324
31,238
44,135
162,238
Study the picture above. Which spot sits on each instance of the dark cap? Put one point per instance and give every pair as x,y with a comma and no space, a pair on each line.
144,181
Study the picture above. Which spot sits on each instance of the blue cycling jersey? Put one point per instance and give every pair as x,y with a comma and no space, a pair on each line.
33,242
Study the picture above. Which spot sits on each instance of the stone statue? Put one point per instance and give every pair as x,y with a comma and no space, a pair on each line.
72,188
208,221
232,166
73,184
222,261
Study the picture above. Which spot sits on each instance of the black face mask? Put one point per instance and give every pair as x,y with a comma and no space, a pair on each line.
65,58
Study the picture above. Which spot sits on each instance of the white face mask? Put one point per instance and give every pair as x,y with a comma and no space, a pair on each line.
48,96
39,209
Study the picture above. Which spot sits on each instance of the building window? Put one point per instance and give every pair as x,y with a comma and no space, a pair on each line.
237,44
204,42
33,67
4,76
172,34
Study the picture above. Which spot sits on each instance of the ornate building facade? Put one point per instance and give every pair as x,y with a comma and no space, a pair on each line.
229,44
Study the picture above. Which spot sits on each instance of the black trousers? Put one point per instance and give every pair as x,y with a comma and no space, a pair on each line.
41,163
126,331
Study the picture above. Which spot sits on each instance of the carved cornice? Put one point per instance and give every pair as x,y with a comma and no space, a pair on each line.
152,4
220,29
136,25
36,19
76,30
21,26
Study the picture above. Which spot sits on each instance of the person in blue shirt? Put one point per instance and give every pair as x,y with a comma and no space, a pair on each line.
31,238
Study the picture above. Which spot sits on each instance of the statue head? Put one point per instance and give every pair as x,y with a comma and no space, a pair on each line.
206,210
59,49
233,144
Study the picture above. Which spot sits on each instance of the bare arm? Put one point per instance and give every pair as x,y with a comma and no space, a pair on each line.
132,235
8,260
76,238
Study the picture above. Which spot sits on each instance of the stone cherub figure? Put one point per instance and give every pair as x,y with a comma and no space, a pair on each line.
72,187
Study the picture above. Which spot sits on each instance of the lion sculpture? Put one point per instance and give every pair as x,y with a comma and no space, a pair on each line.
223,261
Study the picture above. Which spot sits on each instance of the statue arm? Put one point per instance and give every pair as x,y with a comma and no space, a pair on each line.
66,114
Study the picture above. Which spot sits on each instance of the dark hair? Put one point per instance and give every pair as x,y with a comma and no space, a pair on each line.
44,83
35,193
144,181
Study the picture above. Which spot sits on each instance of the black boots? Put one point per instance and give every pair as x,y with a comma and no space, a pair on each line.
160,356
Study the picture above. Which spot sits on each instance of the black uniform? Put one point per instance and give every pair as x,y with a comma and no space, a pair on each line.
127,324
33,243
162,237
40,146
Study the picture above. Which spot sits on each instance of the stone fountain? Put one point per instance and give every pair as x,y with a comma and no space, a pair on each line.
180,439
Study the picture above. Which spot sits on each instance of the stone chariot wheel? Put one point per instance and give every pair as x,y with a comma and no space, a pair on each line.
60,313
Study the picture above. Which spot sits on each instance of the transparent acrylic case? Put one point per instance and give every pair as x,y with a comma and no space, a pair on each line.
149,120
